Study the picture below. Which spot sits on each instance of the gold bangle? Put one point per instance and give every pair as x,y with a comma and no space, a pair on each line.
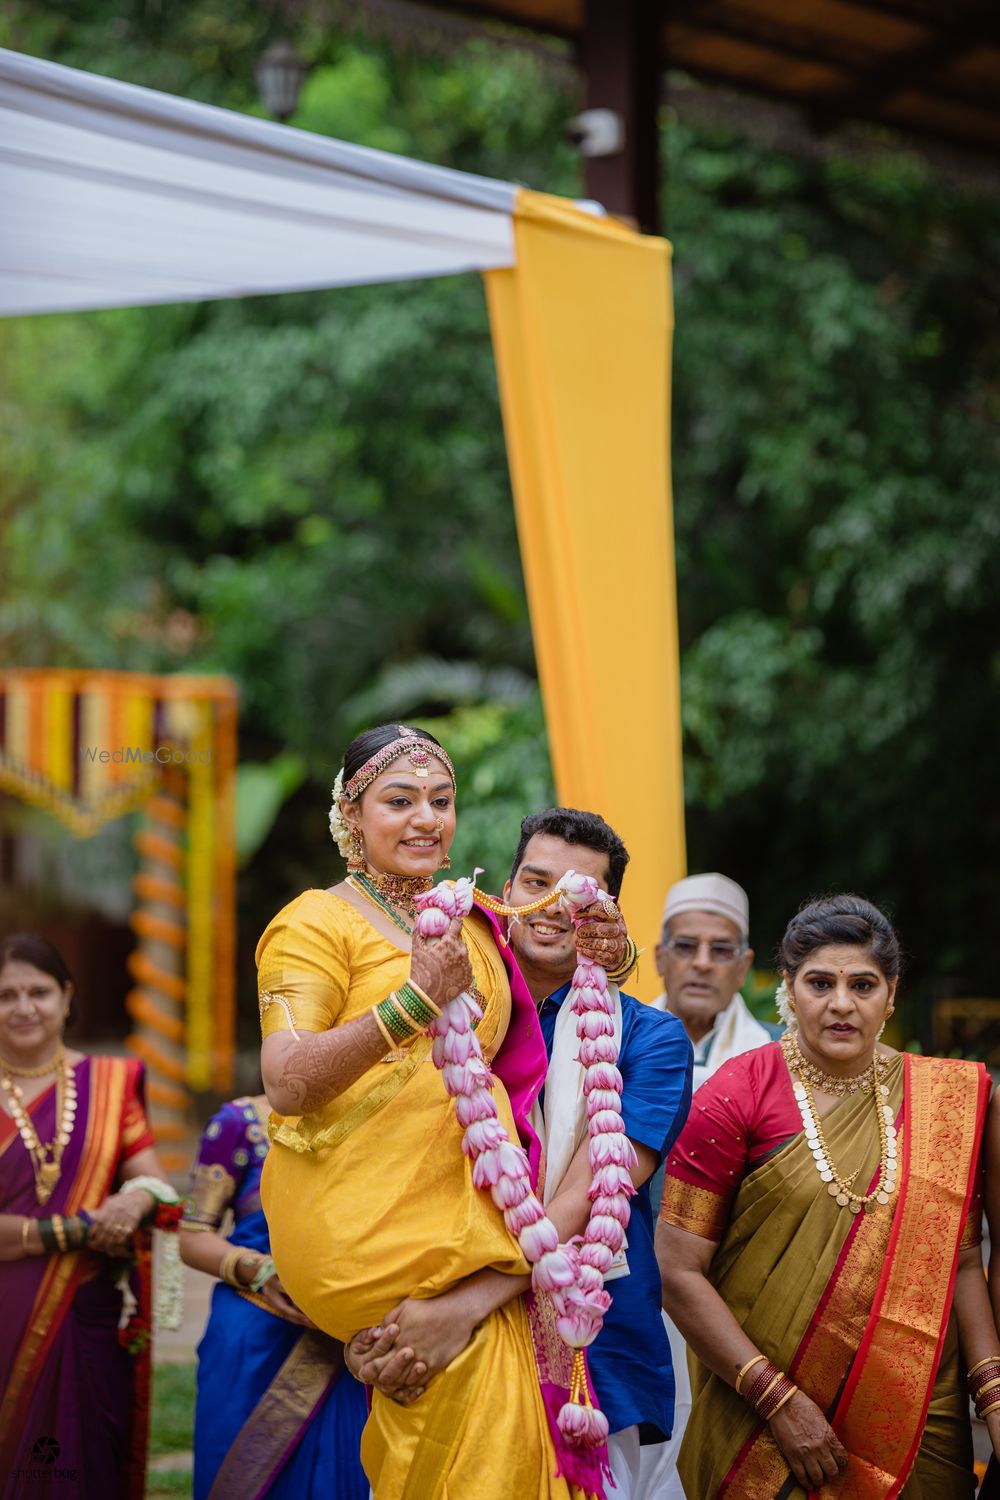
767,1391
748,1366
989,1385
59,1230
987,1409
26,1224
786,1397
991,1359
424,996
227,1271
393,1044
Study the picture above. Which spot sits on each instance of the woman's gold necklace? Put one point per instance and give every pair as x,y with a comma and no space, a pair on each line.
859,1083
840,1187
46,1161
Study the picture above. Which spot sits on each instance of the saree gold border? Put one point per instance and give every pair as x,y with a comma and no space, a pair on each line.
252,1461
698,1210
878,1416
821,1362
758,1467
256,1299
64,1272
308,1136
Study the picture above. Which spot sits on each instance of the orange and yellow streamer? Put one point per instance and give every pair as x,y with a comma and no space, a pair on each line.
582,327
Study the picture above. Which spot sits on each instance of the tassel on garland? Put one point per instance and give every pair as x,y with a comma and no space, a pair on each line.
571,1275
581,1423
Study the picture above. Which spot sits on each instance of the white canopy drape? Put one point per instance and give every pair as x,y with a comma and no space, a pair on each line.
113,195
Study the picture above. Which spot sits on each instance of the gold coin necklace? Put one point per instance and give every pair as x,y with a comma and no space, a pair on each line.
46,1161
839,1187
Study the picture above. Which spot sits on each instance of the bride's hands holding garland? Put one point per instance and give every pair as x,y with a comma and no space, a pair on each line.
441,967
601,934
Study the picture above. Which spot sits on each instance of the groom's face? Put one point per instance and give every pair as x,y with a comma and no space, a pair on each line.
545,940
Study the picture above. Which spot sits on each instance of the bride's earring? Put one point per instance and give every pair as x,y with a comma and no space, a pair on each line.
356,856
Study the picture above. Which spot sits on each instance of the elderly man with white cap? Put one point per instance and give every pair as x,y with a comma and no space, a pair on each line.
703,957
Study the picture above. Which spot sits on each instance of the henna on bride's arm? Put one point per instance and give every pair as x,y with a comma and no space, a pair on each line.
302,1074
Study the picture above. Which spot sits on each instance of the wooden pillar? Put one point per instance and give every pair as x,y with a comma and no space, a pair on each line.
621,61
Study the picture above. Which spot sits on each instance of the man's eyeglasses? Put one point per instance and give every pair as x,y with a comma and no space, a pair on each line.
687,949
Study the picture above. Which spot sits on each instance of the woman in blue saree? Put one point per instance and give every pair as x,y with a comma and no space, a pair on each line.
276,1413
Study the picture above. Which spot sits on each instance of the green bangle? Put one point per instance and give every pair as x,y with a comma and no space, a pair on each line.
77,1230
416,1008
48,1236
264,1272
395,1023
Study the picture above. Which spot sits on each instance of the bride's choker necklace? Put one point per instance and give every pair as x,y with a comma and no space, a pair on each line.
392,890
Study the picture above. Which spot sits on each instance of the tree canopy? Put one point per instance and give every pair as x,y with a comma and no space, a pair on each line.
310,492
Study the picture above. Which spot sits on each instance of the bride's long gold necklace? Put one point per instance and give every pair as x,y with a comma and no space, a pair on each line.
871,1081
46,1161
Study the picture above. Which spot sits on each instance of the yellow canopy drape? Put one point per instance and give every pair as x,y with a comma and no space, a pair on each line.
581,332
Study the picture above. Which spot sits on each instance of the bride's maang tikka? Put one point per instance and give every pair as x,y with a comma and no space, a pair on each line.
418,752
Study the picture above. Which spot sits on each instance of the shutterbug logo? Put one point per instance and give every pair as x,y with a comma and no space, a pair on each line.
45,1453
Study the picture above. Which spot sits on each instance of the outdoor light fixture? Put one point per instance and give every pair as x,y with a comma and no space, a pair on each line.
280,76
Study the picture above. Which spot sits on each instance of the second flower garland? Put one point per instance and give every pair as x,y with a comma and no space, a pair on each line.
572,1275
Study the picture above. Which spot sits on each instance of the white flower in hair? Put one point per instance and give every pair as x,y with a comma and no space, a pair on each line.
783,1004
339,831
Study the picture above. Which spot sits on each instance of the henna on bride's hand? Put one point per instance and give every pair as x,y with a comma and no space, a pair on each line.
440,966
601,938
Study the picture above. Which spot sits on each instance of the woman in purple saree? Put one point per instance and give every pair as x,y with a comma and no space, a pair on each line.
276,1415
74,1409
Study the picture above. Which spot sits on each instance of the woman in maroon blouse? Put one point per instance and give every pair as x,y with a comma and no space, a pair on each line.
820,1222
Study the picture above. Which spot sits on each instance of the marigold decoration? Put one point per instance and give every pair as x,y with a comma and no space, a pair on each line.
89,747
571,1275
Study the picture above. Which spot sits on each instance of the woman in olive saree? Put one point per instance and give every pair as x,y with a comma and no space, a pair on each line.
838,1249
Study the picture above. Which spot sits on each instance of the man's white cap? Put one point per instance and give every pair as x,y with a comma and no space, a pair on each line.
712,893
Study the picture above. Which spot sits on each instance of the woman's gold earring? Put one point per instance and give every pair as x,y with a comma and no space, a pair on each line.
356,856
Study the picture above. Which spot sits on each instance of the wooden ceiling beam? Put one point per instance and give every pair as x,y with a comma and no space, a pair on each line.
801,45
982,143
912,67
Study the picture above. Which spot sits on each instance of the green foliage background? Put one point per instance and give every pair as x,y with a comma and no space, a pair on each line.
310,491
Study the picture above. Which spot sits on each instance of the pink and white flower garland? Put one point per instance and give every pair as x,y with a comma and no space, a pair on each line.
572,1274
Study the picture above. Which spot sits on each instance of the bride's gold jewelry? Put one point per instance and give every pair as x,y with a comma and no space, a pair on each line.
388,891
859,1082
46,1161
839,1187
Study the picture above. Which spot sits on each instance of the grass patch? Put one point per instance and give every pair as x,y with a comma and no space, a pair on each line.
176,1482
171,1427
